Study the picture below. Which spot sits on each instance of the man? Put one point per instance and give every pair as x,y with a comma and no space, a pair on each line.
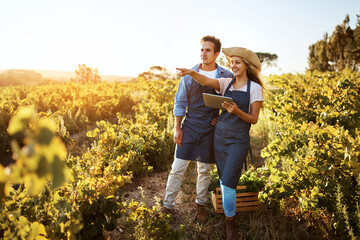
194,137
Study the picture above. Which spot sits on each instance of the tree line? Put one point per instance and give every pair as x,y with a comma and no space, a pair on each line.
338,51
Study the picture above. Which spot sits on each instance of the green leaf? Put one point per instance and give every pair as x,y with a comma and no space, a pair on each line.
21,118
265,154
46,133
311,144
45,136
42,168
37,232
281,189
23,220
34,183
58,172
312,169
332,131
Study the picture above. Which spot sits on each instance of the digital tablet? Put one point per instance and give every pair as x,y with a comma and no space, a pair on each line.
215,101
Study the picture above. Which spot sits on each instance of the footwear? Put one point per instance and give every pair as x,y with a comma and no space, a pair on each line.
201,213
230,228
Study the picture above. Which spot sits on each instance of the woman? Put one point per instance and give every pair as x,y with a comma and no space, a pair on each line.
232,140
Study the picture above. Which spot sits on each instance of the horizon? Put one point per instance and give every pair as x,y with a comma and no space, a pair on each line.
60,71
125,38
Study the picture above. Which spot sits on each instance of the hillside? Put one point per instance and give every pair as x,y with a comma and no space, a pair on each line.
65,75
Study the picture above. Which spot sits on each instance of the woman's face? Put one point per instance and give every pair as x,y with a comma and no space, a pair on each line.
238,66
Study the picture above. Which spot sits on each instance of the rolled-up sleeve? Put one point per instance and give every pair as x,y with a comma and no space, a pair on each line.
181,100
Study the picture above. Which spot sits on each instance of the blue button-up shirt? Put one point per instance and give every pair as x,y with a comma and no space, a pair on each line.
181,98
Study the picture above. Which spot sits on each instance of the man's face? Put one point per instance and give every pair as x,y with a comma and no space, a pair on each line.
208,56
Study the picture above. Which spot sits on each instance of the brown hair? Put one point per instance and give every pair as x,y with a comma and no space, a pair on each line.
253,73
216,41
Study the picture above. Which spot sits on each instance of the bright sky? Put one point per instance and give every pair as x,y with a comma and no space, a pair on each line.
126,37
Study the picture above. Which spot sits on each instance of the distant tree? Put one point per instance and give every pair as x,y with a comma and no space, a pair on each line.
318,59
16,77
337,43
266,59
84,74
356,49
339,51
157,72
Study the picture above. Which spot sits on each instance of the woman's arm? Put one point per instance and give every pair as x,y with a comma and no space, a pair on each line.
210,82
250,118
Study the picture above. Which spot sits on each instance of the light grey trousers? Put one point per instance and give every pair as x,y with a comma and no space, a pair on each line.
176,176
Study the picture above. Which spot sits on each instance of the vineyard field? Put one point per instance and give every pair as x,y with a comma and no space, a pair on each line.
50,188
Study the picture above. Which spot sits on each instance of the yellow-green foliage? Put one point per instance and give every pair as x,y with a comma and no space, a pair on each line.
72,105
42,198
39,161
318,139
252,179
145,223
42,158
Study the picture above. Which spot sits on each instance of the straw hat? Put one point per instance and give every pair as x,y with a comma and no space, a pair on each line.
243,53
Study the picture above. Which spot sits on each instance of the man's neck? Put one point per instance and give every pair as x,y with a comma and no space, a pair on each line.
208,67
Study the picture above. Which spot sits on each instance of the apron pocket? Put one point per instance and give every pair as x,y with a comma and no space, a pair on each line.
242,137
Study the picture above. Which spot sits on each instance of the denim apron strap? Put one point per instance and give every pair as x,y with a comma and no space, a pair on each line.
250,151
230,84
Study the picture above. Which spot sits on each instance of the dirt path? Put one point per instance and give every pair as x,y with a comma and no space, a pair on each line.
152,187
150,190
153,184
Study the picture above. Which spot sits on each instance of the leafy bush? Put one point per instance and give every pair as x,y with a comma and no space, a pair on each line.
73,106
318,142
252,179
145,223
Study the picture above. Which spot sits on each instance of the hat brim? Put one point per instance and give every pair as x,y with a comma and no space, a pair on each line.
243,53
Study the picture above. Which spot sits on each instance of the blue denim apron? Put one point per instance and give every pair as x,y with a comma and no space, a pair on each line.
198,133
232,139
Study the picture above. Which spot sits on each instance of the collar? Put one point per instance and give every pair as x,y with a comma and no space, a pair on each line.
218,68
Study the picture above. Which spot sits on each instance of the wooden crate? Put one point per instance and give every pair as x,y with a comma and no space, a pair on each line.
245,201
